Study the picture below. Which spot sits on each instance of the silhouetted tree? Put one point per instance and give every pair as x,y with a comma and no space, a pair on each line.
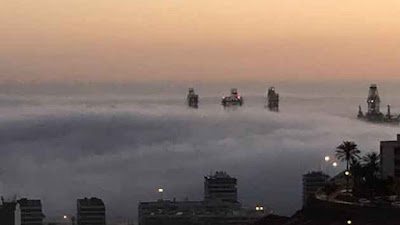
371,166
347,151
371,161
357,171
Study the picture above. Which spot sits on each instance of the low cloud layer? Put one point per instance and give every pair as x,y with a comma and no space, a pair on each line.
122,151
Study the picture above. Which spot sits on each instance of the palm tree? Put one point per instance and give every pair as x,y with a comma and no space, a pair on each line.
347,151
357,172
371,161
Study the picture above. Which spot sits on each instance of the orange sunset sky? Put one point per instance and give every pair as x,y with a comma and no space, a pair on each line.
206,40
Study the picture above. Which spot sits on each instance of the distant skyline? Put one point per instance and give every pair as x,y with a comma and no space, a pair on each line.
207,40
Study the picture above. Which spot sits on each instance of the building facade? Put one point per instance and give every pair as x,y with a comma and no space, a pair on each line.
220,186
29,212
312,182
390,158
192,99
21,212
373,101
91,211
272,100
220,207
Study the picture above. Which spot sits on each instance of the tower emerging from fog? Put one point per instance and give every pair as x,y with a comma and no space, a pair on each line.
374,113
374,101
273,100
235,99
220,186
192,99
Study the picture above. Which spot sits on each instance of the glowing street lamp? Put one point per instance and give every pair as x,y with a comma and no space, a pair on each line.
69,219
327,158
334,164
347,173
161,191
349,222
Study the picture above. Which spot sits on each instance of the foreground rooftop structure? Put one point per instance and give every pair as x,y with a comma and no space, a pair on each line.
219,207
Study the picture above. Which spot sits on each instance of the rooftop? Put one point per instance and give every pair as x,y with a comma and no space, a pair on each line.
393,141
28,202
218,175
90,202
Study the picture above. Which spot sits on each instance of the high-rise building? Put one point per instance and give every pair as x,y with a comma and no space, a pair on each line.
7,213
91,211
192,99
30,212
374,113
272,100
21,212
373,101
390,158
220,186
218,208
312,182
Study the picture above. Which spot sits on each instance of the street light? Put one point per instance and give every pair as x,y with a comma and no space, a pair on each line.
334,164
69,219
347,173
327,158
349,222
161,191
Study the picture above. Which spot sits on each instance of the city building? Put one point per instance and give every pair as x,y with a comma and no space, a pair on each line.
220,186
220,207
192,99
21,212
272,100
30,212
235,99
374,113
390,158
7,213
373,101
312,182
91,211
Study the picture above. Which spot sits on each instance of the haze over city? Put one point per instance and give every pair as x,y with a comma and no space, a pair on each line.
92,96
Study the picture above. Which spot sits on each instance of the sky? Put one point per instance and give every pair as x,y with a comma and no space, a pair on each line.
192,40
